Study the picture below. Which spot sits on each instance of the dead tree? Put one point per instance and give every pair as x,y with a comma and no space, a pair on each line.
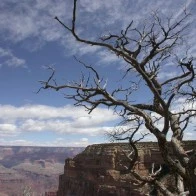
146,50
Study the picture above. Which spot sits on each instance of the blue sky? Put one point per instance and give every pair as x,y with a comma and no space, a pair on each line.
31,40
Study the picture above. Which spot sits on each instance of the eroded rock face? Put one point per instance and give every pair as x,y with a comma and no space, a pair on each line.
98,170
36,168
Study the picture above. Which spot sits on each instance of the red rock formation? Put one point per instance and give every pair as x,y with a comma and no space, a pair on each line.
98,170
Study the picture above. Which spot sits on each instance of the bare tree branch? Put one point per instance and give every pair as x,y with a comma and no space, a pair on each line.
145,50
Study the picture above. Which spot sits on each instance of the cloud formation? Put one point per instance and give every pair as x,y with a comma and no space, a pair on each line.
7,129
34,21
83,142
9,59
32,24
64,120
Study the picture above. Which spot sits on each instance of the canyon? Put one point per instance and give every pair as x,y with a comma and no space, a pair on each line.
32,169
99,170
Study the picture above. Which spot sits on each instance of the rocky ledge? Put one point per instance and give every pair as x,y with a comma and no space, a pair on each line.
98,170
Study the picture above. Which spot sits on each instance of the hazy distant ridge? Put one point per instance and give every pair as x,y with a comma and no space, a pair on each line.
38,167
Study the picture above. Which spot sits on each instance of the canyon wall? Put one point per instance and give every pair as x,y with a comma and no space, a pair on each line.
32,169
99,170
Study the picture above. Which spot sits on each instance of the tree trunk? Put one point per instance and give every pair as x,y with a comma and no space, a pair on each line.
190,182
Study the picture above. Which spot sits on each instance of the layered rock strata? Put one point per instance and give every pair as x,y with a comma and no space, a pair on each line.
99,170
32,169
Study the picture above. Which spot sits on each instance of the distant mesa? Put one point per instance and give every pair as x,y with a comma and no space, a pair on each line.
34,167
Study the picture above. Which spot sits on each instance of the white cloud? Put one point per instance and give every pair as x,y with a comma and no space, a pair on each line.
167,75
8,127
46,112
64,127
83,142
107,57
8,130
181,104
24,20
56,142
191,135
9,59
62,120
66,120
84,139
16,142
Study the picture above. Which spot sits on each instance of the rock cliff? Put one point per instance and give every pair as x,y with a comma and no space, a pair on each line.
98,170
35,168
